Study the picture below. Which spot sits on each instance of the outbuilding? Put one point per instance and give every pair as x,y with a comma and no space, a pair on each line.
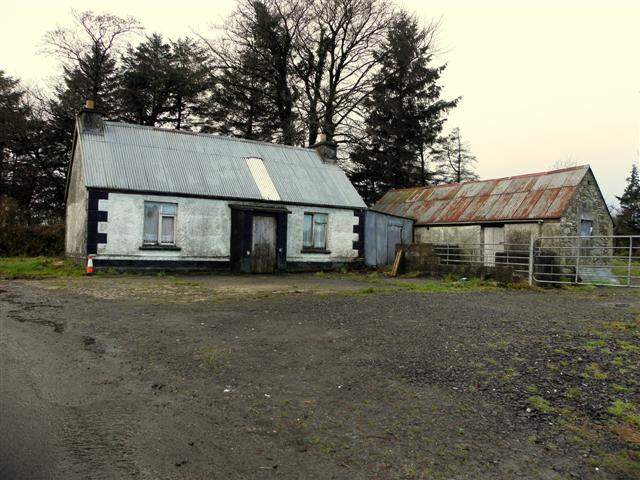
496,215
144,197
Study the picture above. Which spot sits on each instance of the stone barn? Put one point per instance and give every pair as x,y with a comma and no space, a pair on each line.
142,197
493,216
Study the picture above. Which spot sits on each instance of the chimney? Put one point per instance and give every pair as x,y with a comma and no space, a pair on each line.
327,149
89,119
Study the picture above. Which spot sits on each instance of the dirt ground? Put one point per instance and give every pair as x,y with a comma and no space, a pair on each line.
315,376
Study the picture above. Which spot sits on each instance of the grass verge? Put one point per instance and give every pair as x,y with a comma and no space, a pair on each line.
38,267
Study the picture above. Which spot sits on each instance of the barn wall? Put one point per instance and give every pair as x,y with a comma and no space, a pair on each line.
515,233
203,231
76,211
587,203
449,234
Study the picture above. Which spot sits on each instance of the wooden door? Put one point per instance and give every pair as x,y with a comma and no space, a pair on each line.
263,252
493,243
394,236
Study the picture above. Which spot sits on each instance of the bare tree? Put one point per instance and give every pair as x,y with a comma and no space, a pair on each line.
89,47
264,32
567,162
454,157
337,62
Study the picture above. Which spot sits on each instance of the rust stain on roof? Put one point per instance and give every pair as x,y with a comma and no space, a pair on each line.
536,196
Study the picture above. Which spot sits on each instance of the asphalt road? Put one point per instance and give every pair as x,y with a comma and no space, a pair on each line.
318,377
27,448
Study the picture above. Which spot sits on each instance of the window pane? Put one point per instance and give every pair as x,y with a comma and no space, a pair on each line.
307,237
169,208
586,228
167,229
151,217
319,234
320,217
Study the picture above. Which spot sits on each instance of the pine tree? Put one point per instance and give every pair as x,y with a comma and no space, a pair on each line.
191,70
146,82
253,73
628,218
162,83
403,114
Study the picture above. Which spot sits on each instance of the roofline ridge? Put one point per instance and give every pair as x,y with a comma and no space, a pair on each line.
585,166
207,135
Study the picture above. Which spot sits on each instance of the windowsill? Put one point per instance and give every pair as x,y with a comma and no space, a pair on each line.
315,250
160,247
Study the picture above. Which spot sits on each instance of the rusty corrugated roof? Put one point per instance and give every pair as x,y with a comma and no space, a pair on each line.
535,196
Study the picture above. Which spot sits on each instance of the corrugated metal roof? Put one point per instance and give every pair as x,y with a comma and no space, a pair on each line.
145,159
535,196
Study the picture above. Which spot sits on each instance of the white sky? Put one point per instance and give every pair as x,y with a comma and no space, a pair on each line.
541,80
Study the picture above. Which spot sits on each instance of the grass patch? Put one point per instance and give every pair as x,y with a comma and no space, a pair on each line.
212,355
627,462
449,286
594,371
38,267
628,346
540,404
572,392
621,270
593,344
627,411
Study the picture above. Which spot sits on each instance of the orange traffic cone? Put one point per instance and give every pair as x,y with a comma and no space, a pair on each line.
89,265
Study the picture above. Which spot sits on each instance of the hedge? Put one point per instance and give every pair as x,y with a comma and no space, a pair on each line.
31,240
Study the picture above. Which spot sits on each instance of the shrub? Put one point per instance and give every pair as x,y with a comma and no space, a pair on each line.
31,240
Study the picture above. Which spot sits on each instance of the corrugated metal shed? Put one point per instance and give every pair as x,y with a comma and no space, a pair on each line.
144,159
537,196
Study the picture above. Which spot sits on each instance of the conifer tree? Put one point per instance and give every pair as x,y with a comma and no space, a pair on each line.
628,218
403,114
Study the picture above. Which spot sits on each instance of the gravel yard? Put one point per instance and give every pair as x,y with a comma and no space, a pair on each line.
317,376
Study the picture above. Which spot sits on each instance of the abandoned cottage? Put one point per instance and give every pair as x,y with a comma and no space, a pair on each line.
491,216
146,197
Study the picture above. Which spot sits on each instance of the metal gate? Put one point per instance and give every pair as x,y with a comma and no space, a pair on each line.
586,260
580,260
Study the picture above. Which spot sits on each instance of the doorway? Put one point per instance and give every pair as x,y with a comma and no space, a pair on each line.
493,243
394,237
263,251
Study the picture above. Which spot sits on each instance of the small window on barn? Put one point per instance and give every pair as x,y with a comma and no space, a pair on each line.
314,235
586,228
159,223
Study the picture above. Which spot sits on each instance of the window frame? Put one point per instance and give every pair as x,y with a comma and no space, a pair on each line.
311,248
159,243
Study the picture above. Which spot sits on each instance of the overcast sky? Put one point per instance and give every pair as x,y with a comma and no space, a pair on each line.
541,80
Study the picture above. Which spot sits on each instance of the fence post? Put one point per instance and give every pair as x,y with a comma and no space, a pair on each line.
531,263
629,261
578,259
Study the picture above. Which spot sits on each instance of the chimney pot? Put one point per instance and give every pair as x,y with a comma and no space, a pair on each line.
323,137
89,104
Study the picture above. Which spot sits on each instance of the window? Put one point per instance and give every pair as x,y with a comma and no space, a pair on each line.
159,223
586,228
315,231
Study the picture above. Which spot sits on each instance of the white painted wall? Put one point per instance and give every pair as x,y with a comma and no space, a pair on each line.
203,230
340,236
76,211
